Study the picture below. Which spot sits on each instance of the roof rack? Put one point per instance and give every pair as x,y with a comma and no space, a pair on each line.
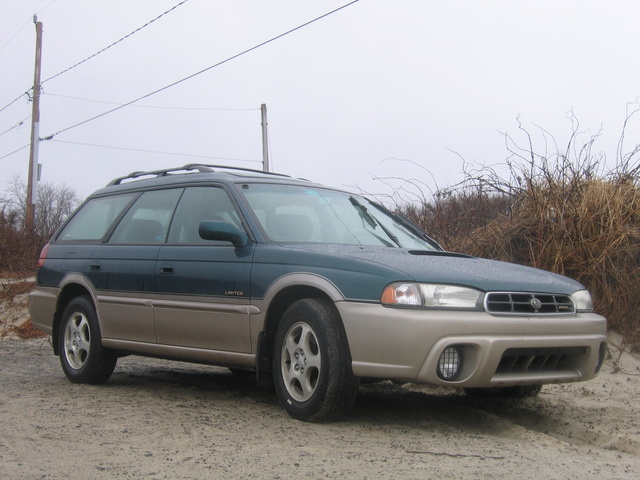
200,167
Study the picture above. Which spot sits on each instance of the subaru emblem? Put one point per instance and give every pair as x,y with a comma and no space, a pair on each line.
535,303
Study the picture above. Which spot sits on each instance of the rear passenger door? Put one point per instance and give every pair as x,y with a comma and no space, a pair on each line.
123,268
203,296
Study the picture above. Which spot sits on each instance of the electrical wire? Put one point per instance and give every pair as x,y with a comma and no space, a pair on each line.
158,152
153,106
14,35
15,151
17,125
115,43
25,24
14,101
91,56
233,57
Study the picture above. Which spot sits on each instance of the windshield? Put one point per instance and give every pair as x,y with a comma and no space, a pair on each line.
290,213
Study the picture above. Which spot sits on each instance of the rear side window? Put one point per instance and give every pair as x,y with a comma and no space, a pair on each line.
94,218
147,221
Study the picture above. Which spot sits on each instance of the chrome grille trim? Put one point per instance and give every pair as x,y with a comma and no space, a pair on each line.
519,303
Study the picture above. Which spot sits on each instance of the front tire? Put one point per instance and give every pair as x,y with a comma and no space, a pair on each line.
82,356
312,364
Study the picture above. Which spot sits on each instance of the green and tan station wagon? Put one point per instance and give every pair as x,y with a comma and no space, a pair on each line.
311,288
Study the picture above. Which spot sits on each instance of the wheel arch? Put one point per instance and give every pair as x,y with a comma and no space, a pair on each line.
71,287
282,294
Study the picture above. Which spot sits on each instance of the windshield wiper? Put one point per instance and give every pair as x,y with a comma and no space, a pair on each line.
416,229
371,220
410,225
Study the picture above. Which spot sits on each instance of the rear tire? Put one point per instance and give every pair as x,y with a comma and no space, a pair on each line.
312,363
82,356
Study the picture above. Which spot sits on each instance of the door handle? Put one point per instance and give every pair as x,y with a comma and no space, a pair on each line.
166,269
95,266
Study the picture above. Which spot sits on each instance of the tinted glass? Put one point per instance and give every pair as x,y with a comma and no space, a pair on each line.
147,221
94,218
199,204
290,213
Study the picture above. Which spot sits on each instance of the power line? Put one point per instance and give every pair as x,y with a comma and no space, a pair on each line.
17,125
91,56
15,151
15,100
19,30
158,152
25,24
277,37
116,42
154,106
12,37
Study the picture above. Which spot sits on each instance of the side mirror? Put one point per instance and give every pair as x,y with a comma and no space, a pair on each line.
223,231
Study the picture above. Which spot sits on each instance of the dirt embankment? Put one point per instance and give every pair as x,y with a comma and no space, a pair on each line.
14,311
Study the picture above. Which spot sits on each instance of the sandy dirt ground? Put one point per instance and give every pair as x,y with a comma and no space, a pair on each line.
157,419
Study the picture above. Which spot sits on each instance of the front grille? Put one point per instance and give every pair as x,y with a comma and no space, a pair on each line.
521,360
528,303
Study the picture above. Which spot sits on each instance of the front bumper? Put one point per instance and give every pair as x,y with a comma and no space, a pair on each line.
406,344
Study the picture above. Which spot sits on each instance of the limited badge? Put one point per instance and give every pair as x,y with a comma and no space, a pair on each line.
234,293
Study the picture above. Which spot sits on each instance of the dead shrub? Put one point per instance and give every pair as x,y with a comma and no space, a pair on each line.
19,249
453,216
592,237
556,211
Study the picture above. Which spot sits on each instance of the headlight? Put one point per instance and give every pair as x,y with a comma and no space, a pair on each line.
582,300
431,295
449,296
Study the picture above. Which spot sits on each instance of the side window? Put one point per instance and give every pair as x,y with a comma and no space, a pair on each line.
199,204
94,218
147,221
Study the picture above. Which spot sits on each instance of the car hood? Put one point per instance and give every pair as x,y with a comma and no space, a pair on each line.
453,268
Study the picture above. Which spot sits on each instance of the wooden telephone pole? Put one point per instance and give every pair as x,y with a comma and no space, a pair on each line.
32,181
265,138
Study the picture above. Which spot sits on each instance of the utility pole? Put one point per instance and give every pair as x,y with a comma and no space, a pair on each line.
265,140
32,181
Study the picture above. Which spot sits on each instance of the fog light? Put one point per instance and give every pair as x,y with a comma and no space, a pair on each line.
450,363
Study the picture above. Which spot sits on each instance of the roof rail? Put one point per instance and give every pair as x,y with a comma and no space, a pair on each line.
200,167
211,167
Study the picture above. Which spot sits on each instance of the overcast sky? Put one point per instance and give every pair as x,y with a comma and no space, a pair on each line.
349,97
